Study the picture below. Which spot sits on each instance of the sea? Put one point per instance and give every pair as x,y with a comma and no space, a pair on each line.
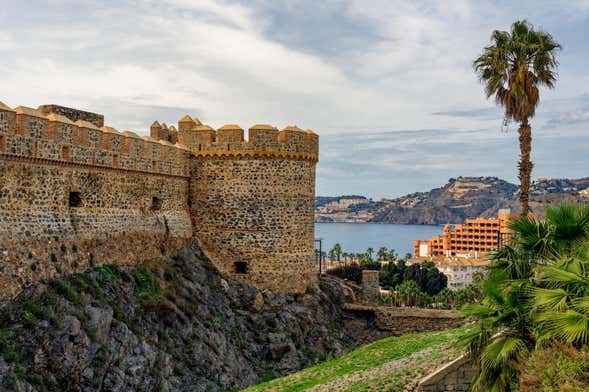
357,237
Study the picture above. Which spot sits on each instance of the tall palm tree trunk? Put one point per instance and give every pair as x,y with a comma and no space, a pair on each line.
525,164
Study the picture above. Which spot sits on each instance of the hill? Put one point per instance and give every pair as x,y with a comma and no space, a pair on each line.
391,364
170,324
460,198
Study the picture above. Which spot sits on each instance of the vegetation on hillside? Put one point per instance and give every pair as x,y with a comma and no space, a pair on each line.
512,68
391,364
418,284
535,295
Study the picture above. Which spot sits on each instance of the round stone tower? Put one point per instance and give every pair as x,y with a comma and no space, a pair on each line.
253,201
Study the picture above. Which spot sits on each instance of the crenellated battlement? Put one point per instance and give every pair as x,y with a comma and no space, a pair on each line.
263,141
48,135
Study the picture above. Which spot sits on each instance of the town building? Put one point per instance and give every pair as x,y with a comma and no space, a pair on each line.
475,238
460,271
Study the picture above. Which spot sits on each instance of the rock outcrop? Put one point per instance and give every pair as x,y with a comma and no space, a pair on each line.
168,325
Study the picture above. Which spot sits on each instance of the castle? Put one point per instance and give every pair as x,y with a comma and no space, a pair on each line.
75,193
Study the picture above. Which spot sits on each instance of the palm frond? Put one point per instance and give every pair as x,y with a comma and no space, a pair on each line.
501,351
549,299
569,326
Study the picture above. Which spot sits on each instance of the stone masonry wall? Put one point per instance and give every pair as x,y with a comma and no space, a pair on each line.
455,376
370,286
402,320
258,212
253,201
74,193
73,114
116,221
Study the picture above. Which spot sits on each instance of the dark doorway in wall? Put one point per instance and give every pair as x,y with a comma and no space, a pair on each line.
75,199
2,144
240,267
156,204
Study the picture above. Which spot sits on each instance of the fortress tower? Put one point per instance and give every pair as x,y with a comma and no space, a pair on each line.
75,193
252,202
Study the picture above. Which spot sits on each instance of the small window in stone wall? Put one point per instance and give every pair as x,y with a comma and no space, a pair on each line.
75,199
240,267
156,204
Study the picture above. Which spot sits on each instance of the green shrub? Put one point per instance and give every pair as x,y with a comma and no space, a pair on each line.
64,290
8,344
352,272
53,257
556,368
63,248
269,376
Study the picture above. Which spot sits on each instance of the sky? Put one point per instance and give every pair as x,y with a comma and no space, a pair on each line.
388,85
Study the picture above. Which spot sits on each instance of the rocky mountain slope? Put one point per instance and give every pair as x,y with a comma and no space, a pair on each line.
460,198
169,325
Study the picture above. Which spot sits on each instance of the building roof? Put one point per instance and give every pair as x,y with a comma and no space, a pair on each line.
452,261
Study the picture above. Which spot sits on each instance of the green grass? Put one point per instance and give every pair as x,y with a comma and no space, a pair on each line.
367,358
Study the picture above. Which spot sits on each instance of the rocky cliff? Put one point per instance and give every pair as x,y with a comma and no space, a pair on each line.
169,325
460,198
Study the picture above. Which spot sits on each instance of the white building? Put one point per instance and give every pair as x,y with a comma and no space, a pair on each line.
458,270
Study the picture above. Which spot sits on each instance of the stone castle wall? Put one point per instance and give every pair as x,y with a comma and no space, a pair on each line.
73,195
253,201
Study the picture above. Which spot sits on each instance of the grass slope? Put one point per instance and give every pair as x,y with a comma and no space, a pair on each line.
390,364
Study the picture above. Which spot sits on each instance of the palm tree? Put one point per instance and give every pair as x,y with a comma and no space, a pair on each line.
392,256
561,300
337,249
512,68
369,252
382,253
536,291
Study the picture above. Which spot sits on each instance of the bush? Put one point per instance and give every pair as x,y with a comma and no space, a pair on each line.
556,368
352,272
64,290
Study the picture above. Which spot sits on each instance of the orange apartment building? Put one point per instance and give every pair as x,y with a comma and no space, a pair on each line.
473,239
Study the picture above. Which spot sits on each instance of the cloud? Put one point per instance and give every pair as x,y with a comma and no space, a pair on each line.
482,113
388,84
580,116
